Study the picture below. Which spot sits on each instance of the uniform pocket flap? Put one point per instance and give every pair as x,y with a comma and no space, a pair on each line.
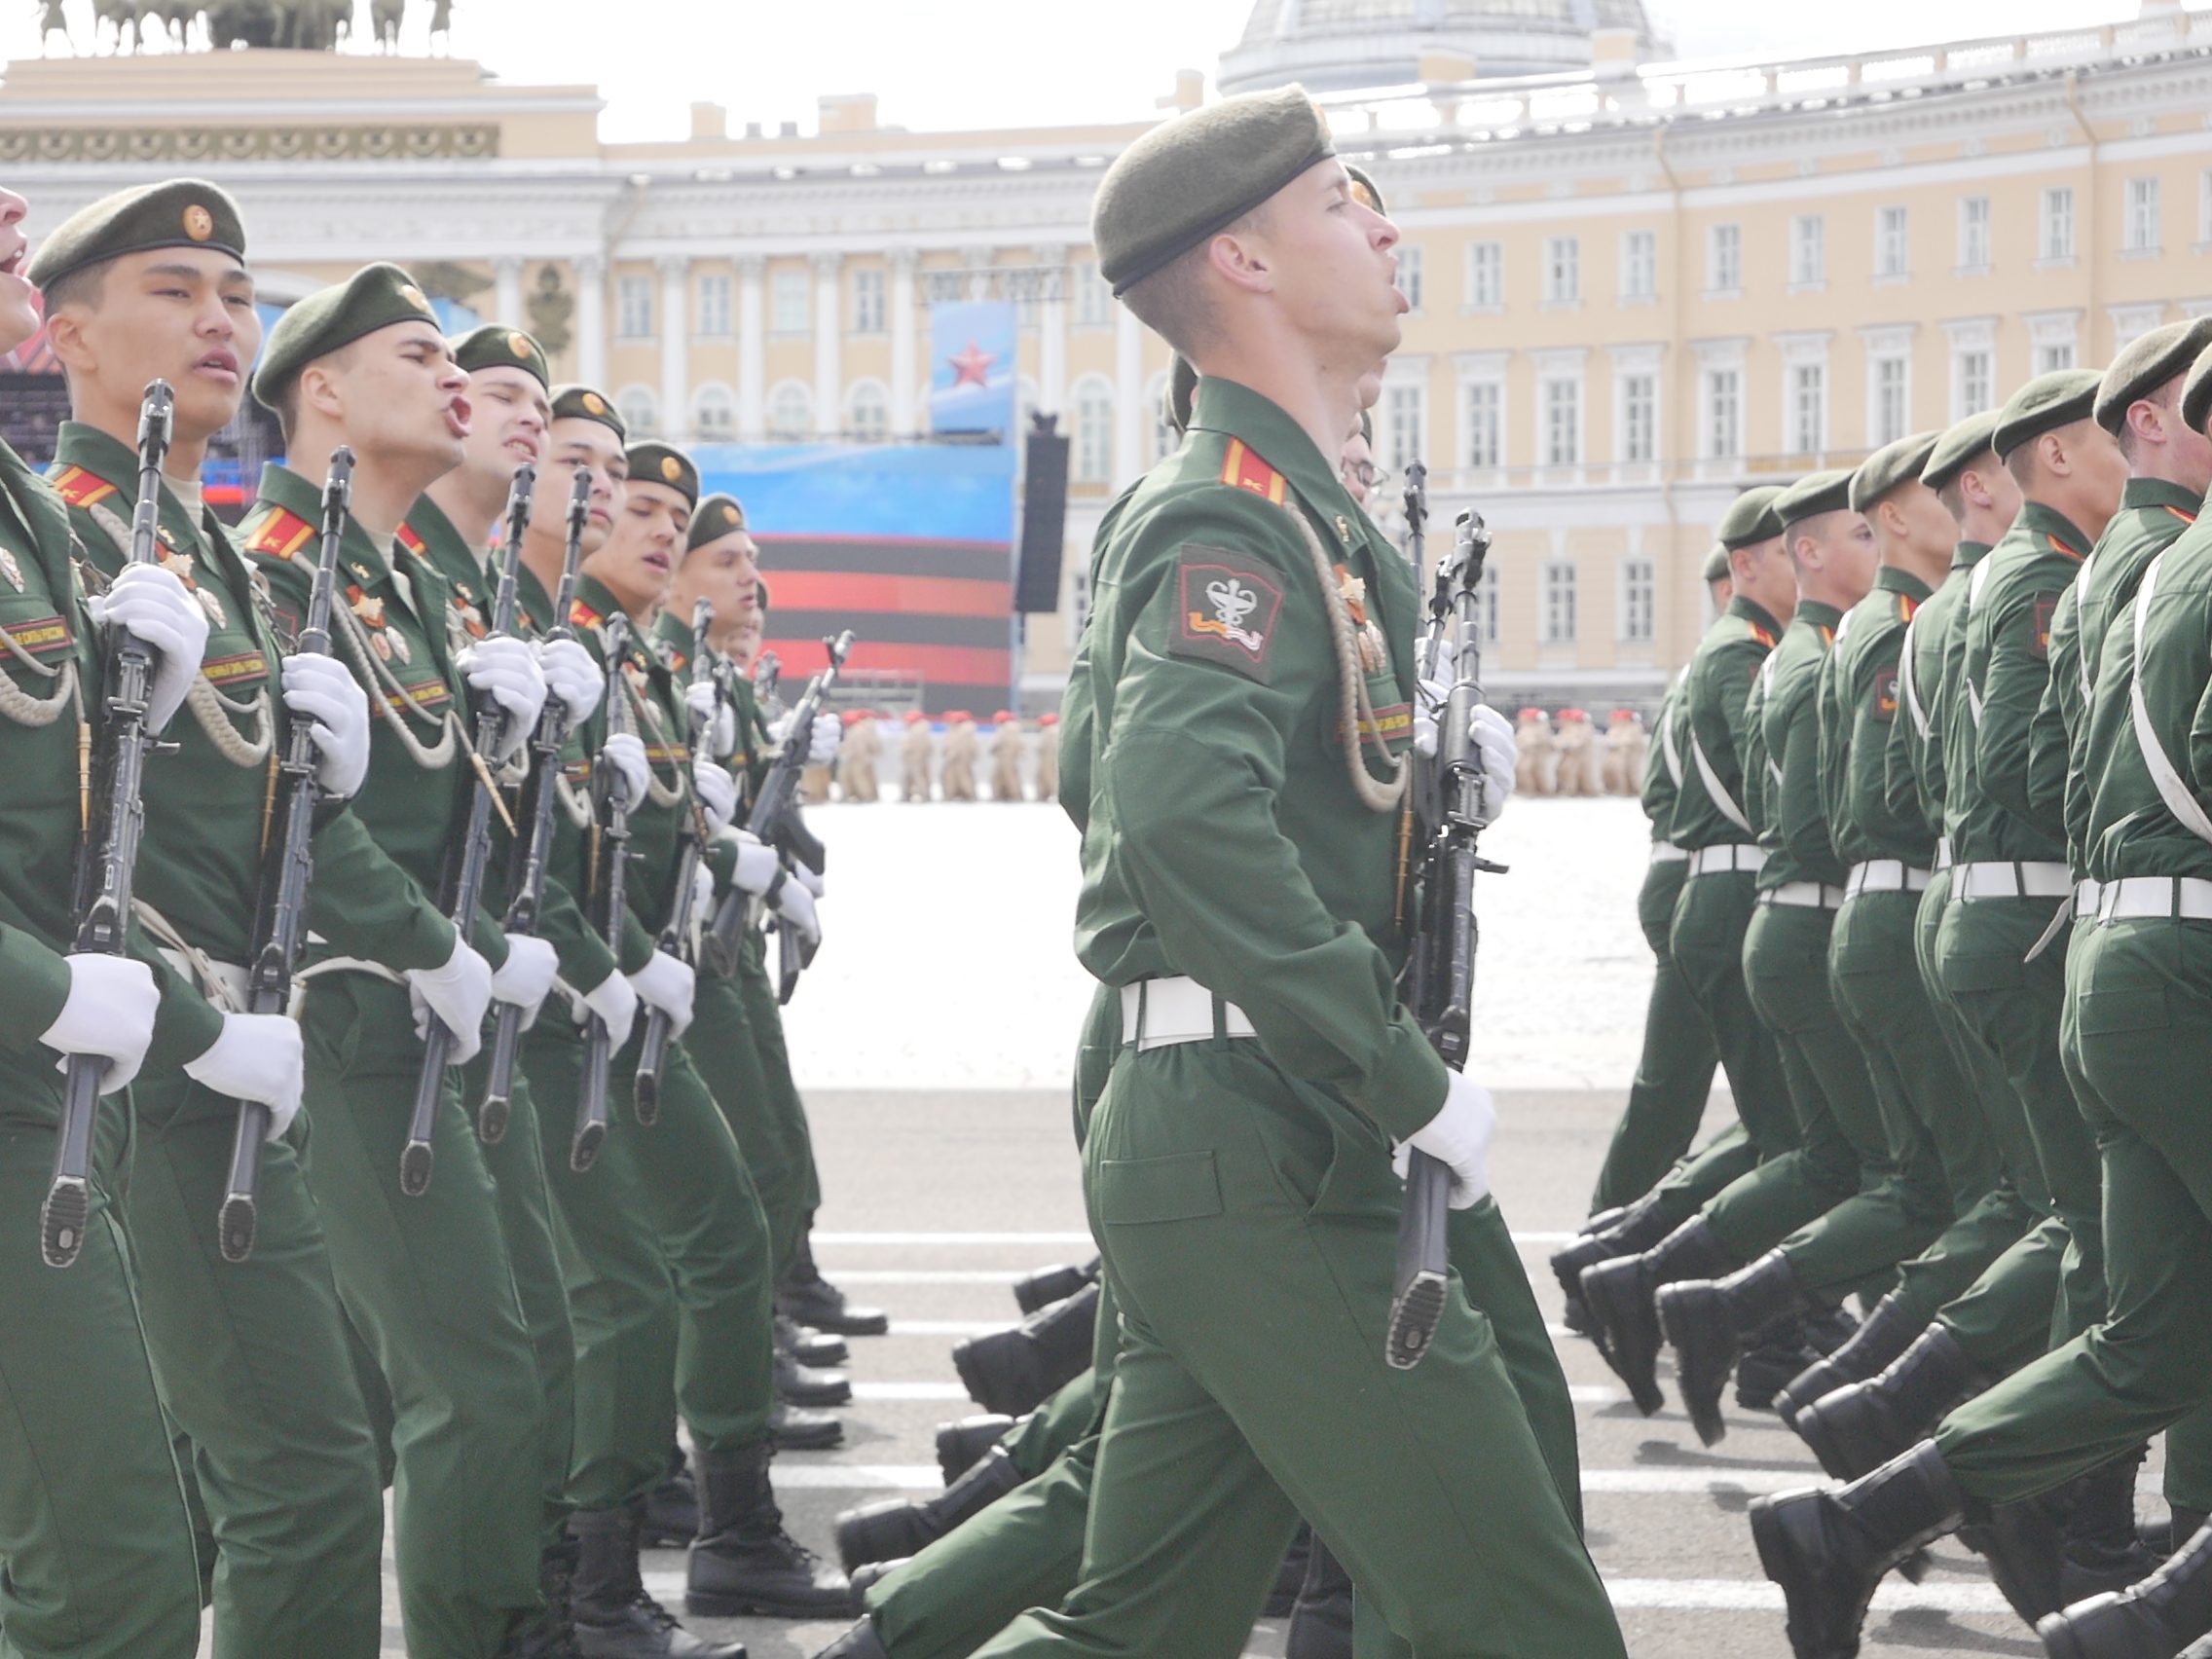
2101,1011
1182,1186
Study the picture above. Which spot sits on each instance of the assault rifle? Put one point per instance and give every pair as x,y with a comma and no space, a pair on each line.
533,848
610,854
1446,808
287,860
676,932
475,853
114,819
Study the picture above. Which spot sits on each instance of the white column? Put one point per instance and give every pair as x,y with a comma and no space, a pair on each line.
751,348
829,339
1128,395
506,293
591,320
1052,332
675,347
902,392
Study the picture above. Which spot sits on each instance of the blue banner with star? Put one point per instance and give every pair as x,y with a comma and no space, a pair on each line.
972,364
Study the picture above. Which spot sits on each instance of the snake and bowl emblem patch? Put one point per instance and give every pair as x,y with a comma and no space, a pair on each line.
1227,609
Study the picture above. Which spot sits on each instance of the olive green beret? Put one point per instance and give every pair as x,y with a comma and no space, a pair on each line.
1364,190
1889,466
1182,390
1959,445
178,212
2146,364
2196,393
1749,518
375,296
760,594
1814,495
664,464
1198,175
496,346
1716,564
2043,405
582,403
713,519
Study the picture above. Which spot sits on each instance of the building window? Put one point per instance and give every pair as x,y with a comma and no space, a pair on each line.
1808,408
1889,407
1485,276
1559,601
634,307
867,302
1808,250
714,415
791,303
1487,604
1094,299
713,307
1640,265
1486,424
868,412
1973,233
1640,601
1405,424
1723,436
1562,423
790,411
1889,242
1093,458
1724,259
2056,223
2054,355
639,412
1563,271
1973,383
2142,215
1639,418
1409,276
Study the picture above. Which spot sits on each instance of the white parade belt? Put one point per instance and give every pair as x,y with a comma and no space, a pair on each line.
1731,856
2133,897
1157,1014
1666,852
1805,895
1990,879
1883,876
2088,895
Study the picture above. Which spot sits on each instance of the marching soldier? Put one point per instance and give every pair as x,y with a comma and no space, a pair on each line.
856,758
1536,768
957,775
1007,741
918,753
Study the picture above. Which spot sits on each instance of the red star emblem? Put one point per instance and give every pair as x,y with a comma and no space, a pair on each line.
970,367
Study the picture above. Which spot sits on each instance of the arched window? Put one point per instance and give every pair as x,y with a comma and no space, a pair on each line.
714,415
1165,439
790,411
1092,458
640,411
868,412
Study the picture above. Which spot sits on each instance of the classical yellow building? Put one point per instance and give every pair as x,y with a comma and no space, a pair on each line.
1637,282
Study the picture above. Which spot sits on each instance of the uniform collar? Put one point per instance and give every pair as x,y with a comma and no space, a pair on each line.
2158,492
426,523
596,605
1236,411
1890,579
1746,611
113,461
1967,554
1817,614
2048,525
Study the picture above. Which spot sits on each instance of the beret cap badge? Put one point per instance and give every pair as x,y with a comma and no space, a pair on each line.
199,223
595,403
671,468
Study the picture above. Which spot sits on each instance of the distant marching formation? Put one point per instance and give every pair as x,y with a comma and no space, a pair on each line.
1014,763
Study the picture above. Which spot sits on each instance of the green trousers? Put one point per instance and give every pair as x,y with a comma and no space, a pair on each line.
1060,1422
1674,1074
1233,1204
763,1114
254,1370
669,1283
92,1525
764,1019
428,1283
2143,1020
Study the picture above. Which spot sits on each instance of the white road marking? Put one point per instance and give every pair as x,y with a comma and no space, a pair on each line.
1631,1483
909,1391
899,1275
950,1327
976,1239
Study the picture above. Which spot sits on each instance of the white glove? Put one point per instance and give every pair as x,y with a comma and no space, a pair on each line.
795,905
108,1012
821,742
571,676
810,879
1491,734
757,861
1428,703
702,895
151,604
624,755
258,1057
706,704
526,976
615,1001
665,984
1459,1138
717,792
325,690
505,670
459,994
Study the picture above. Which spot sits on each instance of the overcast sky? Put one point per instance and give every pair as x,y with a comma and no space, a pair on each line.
943,64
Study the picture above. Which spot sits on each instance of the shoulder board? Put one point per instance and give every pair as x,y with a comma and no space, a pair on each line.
677,660
81,488
413,543
582,615
2060,547
1907,606
1755,631
279,536
1243,469
2185,516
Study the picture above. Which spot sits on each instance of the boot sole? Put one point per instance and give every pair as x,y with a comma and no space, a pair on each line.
814,1606
2063,1636
1613,1311
842,1325
1702,1404
814,1399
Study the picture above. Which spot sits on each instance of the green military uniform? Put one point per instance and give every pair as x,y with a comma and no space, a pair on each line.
93,1523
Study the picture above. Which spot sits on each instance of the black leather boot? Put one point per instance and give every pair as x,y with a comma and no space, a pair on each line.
1619,1232
1014,1370
874,1573
615,1618
1771,1360
2025,1547
1047,1286
812,1300
2104,1551
801,1385
1320,1624
1829,1550
2153,1620
553,1634
798,1430
1707,1321
1862,1427
672,1508
960,1444
892,1526
859,1643
807,1346
1624,1322
743,1562
1887,1333
1290,1575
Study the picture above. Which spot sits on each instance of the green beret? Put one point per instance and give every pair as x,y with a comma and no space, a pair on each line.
1959,445
713,519
2196,393
2043,405
1890,466
1364,190
1815,496
374,297
1749,518
1716,564
582,403
2147,363
496,346
664,464
1198,175
178,212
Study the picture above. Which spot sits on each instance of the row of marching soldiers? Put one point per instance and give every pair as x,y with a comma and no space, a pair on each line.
1930,881
491,1285
956,766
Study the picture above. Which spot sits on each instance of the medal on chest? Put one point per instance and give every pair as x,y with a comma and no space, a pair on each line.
1373,656
387,642
181,566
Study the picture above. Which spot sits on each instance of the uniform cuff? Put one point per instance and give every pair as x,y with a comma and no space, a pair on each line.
1408,1089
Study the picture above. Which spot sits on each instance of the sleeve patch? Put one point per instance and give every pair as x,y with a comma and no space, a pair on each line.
1886,693
2046,608
1227,611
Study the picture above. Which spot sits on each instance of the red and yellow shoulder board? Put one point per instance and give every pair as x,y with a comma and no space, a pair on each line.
82,489
280,536
1906,607
1762,635
2185,516
582,615
1245,470
2058,546
413,543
